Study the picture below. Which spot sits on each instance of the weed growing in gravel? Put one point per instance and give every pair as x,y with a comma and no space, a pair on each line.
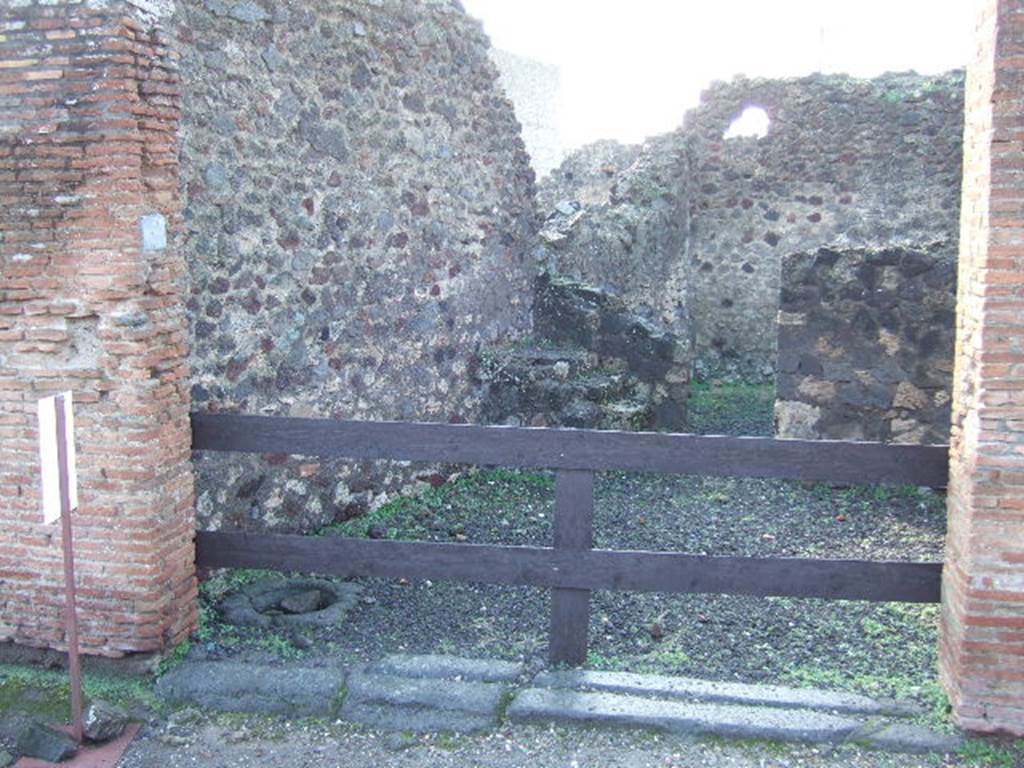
279,646
731,408
606,663
227,581
174,658
988,754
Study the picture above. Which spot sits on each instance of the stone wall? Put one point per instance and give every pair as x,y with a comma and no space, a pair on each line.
618,218
91,301
592,364
358,217
866,344
689,228
846,162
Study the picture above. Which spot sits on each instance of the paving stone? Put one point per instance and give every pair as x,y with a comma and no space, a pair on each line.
45,743
905,737
662,686
416,720
421,704
232,687
733,720
449,667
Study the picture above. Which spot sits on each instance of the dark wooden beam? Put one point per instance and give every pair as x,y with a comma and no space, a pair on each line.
825,460
574,532
590,569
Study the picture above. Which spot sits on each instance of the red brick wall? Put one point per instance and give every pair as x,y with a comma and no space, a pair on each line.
982,653
89,108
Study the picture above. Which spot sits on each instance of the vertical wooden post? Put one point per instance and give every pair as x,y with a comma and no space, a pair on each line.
574,529
70,611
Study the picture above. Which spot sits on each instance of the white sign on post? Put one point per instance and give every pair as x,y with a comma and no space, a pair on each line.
48,455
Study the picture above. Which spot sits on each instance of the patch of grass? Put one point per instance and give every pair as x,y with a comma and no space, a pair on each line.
600,661
46,693
731,408
278,645
229,580
895,686
174,658
989,754
403,517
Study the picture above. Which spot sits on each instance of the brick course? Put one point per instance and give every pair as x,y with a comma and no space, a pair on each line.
981,655
89,110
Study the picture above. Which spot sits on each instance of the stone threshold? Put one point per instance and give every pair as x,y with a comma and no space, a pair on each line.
451,694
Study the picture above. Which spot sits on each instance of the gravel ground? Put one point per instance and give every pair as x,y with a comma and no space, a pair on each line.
304,745
879,649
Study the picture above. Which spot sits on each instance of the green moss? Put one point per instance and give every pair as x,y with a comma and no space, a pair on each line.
175,657
46,693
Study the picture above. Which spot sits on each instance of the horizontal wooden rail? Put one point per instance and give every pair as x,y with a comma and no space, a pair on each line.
530,448
575,569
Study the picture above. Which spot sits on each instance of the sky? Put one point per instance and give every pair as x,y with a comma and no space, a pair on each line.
631,68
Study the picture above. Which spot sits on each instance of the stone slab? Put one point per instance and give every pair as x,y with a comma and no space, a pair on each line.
905,737
448,667
417,720
661,686
106,755
546,705
264,689
480,698
421,704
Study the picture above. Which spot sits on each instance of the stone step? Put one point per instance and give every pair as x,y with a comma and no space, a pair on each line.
265,689
447,667
665,687
545,705
429,693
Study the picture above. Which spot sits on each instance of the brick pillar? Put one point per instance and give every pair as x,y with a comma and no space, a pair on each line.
982,651
89,111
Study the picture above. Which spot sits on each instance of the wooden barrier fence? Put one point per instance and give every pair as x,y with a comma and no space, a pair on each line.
572,568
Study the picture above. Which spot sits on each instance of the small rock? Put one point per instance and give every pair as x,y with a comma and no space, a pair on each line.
248,13
174,740
396,742
377,531
46,743
302,642
567,207
272,57
302,602
6,758
104,721
656,631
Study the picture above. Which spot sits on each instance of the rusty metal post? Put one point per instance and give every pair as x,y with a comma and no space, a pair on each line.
70,611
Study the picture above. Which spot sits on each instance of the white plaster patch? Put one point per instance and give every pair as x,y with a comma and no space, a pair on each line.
154,232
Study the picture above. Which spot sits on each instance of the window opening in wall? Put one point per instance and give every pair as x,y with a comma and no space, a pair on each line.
753,121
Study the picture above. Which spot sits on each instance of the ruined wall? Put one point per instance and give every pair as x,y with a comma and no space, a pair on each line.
866,344
618,218
690,228
592,364
358,213
846,162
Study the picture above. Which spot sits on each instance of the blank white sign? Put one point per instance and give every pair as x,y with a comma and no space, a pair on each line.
48,456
